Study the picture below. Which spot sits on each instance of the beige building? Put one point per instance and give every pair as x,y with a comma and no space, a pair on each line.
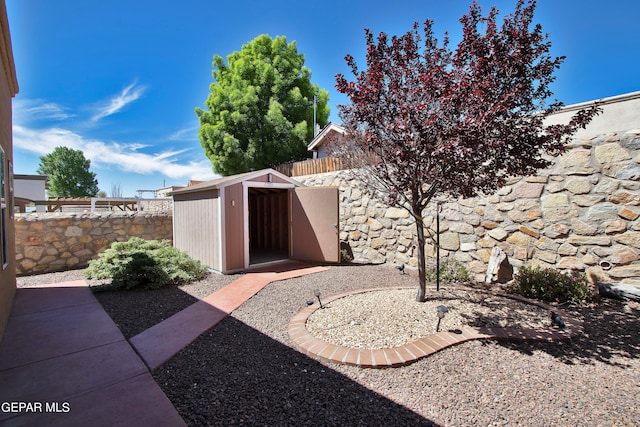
323,143
30,189
8,89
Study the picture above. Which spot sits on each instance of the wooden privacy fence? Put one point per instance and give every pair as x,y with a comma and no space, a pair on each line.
313,166
325,164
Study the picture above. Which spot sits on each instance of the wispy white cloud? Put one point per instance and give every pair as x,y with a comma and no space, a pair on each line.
34,132
125,157
44,141
26,110
186,134
129,94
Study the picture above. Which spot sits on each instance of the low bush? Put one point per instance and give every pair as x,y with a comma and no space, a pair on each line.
346,254
451,271
550,285
143,264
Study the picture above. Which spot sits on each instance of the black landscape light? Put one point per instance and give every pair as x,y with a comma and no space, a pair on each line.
557,320
441,312
316,293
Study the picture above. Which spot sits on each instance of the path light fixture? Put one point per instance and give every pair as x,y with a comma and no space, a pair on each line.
316,293
557,320
441,312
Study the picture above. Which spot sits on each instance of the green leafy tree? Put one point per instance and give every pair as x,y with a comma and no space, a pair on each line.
260,109
69,174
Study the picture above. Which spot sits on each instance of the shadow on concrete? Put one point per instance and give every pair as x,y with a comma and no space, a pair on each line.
234,374
135,311
63,357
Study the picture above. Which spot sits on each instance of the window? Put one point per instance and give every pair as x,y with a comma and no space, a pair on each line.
4,260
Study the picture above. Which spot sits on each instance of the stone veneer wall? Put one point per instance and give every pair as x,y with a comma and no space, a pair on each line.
582,214
47,242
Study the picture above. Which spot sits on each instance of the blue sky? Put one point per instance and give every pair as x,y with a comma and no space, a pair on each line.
120,79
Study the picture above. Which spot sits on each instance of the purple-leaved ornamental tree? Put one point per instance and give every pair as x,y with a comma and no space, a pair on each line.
454,123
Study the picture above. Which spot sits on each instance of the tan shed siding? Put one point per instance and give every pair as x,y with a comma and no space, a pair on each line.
234,227
196,218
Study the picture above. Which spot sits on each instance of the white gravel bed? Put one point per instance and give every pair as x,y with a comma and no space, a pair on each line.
392,317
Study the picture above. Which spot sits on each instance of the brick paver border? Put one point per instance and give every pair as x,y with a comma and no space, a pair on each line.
410,352
164,340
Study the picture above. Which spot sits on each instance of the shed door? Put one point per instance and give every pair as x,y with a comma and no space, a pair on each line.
314,224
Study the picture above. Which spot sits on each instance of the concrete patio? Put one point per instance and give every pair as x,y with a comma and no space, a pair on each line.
63,362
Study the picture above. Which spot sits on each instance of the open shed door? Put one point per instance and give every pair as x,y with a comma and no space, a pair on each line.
314,224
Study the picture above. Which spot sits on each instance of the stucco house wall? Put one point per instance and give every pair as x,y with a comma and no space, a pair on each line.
8,89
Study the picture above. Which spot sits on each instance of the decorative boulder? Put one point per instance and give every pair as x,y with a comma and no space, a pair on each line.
499,269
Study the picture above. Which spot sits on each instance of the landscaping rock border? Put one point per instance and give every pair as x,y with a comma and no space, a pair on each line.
410,352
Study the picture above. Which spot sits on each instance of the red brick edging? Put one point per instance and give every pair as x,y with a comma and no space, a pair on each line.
410,352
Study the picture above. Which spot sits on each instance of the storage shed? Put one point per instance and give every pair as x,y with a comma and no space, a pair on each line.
240,221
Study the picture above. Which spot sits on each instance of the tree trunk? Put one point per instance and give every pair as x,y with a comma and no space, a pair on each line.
422,271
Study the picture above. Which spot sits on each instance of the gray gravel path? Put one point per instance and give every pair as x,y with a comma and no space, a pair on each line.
245,370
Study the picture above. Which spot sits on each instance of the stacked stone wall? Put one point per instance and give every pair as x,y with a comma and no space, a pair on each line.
47,242
580,214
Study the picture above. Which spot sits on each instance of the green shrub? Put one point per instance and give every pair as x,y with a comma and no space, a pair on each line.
550,285
451,271
345,256
143,264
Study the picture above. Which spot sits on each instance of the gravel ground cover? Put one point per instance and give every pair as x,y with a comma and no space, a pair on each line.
392,317
245,370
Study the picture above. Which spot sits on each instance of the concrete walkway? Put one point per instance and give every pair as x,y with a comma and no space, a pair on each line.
64,362
161,342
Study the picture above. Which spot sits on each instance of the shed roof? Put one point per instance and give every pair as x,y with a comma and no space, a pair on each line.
30,177
233,179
